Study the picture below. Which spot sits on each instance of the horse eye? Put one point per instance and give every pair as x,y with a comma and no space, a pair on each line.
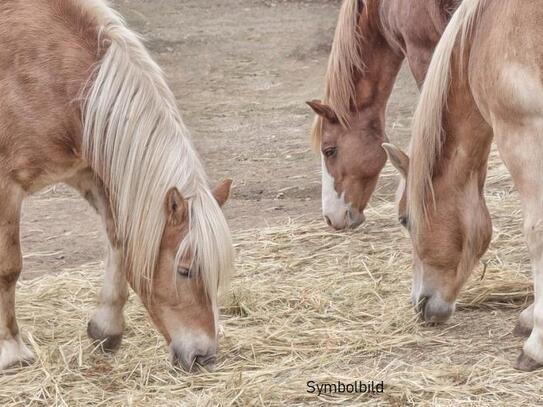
183,272
330,152
403,221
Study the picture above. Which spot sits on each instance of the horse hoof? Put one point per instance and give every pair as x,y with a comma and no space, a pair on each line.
108,343
526,363
521,331
14,354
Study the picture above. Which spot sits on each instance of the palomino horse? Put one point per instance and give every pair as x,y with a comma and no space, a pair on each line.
82,102
485,80
371,41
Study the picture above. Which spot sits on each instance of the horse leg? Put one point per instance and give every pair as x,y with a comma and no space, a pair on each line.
525,323
107,323
521,148
12,349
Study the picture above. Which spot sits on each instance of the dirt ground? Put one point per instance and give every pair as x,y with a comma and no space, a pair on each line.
241,71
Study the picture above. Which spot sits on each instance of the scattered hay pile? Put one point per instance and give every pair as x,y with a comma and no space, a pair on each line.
306,304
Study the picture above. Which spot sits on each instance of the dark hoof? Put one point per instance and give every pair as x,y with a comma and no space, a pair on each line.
521,331
526,363
108,343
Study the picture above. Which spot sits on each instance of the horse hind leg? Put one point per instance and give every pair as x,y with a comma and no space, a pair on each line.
106,325
12,350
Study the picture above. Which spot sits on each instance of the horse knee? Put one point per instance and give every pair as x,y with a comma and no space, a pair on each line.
9,274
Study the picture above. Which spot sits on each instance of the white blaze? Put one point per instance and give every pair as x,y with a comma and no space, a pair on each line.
334,206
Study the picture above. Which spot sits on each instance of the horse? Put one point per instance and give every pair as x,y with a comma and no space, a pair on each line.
371,41
83,103
484,82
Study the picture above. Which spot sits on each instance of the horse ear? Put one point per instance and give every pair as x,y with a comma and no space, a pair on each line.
175,207
397,158
323,110
222,191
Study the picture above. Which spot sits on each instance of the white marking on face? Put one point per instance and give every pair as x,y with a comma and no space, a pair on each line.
334,206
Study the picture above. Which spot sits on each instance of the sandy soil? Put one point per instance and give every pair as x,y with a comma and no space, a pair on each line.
241,71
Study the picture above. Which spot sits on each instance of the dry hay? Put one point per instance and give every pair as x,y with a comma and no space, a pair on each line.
306,304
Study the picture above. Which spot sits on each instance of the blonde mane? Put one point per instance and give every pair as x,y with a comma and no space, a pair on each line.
345,60
427,131
135,140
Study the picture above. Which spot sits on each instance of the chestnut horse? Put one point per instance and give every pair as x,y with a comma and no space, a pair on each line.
372,39
82,102
485,81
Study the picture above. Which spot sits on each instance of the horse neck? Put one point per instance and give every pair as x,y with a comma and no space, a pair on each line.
381,66
414,29
466,143
459,176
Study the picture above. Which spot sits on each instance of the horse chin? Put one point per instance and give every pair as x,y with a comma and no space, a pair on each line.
356,218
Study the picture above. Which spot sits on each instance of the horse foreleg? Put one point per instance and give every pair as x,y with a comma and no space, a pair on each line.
107,323
521,148
12,349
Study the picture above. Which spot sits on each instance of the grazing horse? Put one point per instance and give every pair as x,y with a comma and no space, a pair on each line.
372,39
485,81
82,102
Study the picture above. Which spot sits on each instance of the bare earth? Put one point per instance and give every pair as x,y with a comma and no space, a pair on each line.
241,71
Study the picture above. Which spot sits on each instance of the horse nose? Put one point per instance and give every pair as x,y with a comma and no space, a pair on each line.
433,309
207,361
194,355
337,222
190,362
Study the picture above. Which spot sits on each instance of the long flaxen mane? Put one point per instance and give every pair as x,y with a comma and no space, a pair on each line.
344,61
427,129
135,139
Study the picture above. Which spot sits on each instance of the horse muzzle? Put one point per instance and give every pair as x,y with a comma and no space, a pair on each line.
349,219
433,309
189,355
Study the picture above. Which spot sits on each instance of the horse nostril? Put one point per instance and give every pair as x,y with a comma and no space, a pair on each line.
208,362
421,305
328,221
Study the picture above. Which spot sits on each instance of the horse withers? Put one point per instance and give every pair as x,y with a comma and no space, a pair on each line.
82,102
485,82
